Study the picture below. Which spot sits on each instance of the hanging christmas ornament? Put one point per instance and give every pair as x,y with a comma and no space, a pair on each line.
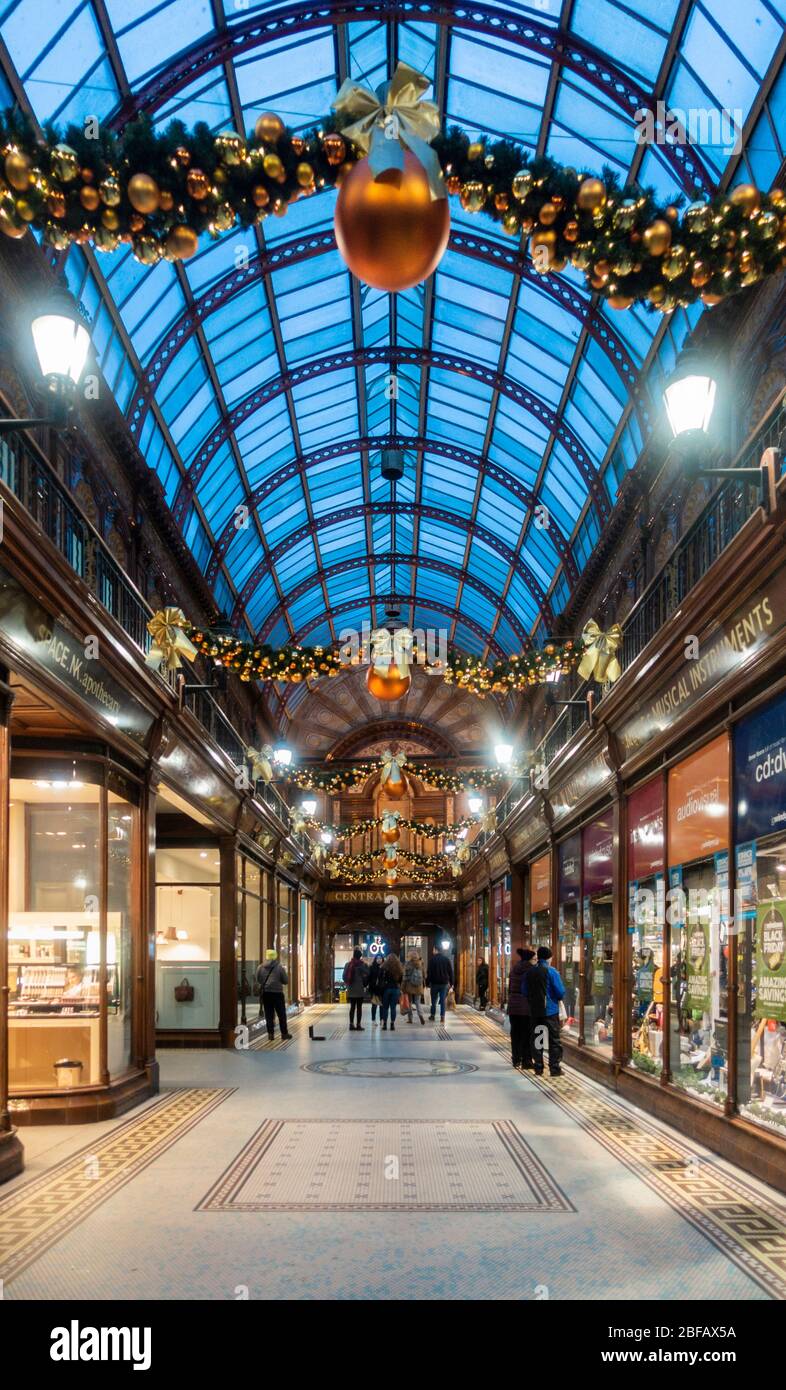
143,193
230,147
109,188
391,779
591,195
64,163
388,675
182,242
521,185
17,170
89,197
472,195
390,828
392,219
656,238
269,128
335,148
746,198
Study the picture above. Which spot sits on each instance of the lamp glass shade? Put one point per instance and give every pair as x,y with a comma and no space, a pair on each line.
283,756
689,402
475,804
61,344
503,753
308,807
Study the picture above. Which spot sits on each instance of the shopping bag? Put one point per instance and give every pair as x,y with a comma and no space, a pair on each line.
404,1004
451,999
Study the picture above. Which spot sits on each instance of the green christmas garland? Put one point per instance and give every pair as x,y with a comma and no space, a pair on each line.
160,191
333,781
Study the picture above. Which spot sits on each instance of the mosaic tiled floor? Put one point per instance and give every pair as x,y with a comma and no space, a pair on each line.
405,1034
298,1026
38,1213
393,1165
750,1230
408,1068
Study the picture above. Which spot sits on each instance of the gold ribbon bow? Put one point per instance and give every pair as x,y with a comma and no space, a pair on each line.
489,821
393,117
599,661
455,869
261,764
391,649
169,640
463,854
391,766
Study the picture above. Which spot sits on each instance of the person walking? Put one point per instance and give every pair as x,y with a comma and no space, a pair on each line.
355,976
375,988
414,984
439,980
392,975
544,990
518,1010
271,978
482,981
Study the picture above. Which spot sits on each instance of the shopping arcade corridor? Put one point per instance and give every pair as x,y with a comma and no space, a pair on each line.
257,1176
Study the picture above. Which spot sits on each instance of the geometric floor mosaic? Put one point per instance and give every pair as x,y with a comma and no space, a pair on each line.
411,1068
40,1212
403,1034
386,1165
749,1228
296,1025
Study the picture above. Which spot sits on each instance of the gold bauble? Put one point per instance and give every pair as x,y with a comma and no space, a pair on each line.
619,301
10,224
392,686
335,148
17,170
391,837
521,185
501,202
110,219
137,222
571,231
768,224
298,145
230,147
777,197
89,198
25,210
701,274
656,238
676,263
182,242
395,790
591,195
56,204
475,150
657,294
64,163
166,200
746,198
548,214
623,265
260,196
56,237
223,218
147,250
143,193
697,217
105,239
197,184
274,167
672,212
304,175
547,238
269,128
511,224
183,156
601,271
109,188
390,231
472,195
710,299
624,216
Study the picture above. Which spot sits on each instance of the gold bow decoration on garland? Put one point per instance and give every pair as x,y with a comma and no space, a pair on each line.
261,763
169,640
489,821
599,661
391,649
393,117
390,820
392,764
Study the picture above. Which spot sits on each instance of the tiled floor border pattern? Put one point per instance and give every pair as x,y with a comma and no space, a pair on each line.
298,1027
748,1228
270,1159
35,1215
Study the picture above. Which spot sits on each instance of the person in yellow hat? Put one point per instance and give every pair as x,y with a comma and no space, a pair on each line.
272,979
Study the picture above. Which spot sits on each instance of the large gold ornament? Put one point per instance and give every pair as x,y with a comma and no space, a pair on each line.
197,184
64,163
656,238
17,170
182,242
521,185
269,128
591,195
143,193
391,686
390,231
746,198
109,188
472,195
230,147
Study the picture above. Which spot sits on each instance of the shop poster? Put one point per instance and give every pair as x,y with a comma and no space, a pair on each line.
698,997
760,772
745,862
771,960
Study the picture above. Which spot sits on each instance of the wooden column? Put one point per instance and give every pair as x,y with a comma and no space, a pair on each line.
12,1158
517,911
144,943
227,929
732,972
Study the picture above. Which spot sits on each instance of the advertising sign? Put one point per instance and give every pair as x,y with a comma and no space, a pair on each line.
698,994
699,803
570,869
598,845
760,772
771,960
540,884
645,830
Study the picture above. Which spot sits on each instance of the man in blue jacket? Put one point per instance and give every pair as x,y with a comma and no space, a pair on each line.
544,990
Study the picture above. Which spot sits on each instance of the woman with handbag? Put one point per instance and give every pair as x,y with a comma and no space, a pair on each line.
414,977
392,975
375,988
356,978
271,978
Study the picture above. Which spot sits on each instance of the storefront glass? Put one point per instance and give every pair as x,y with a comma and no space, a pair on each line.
760,854
540,902
646,919
250,946
287,927
188,901
501,902
698,841
598,917
122,851
569,930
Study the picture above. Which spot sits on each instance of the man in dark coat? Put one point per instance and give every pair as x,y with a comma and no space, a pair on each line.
439,980
518,1010
482,981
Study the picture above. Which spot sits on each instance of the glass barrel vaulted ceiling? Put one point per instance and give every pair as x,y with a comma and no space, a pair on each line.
258,372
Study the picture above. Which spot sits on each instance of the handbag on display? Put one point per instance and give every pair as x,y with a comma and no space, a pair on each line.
184,992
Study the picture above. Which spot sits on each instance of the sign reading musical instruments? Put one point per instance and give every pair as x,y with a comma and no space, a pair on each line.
720,650
771,960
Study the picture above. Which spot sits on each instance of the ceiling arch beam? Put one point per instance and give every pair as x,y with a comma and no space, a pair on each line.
511,258
522,31
415,509
350,604
408,444
391,356
362,562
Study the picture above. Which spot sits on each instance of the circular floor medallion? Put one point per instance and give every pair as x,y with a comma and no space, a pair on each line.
412,1068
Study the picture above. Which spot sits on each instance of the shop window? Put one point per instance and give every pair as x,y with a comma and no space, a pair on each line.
122,836
646,922
761,1022
540,902
569,944
188,900
598,919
